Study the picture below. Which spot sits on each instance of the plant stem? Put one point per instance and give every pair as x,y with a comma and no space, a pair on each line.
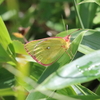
78,15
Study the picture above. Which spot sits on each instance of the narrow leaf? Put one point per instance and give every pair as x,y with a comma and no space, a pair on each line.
91,1
4,36
81,70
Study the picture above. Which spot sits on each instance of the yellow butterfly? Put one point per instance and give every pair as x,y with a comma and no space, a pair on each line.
48,50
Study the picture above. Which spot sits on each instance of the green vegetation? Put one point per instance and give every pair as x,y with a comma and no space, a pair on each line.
76,75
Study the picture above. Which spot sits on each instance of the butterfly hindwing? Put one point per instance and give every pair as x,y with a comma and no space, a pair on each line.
46,51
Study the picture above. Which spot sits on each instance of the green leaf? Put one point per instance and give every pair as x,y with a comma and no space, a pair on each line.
47,95
98,90
75,90
96,20
4,35
19,47
91,1
6,42
87,97
36,96
85,49
4,56
81,70
81,90
87,13
36,70
67,91
90,42
67,56
6,92
6,78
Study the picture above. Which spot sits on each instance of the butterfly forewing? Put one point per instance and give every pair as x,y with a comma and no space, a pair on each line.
46,51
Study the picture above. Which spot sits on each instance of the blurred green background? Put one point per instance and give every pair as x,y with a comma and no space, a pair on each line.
46,17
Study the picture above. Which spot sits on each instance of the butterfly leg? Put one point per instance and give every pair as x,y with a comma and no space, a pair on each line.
72,55
69,55
69,52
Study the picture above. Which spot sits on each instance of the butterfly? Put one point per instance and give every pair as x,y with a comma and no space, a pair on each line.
46,51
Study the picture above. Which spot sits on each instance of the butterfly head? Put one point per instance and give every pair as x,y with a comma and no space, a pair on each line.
67,38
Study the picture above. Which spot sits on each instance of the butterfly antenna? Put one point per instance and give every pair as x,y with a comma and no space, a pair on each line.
63,22
67,28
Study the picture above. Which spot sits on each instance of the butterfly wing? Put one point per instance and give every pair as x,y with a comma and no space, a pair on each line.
46,51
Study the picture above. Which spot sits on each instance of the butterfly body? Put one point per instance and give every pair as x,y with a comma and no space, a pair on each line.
48,50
